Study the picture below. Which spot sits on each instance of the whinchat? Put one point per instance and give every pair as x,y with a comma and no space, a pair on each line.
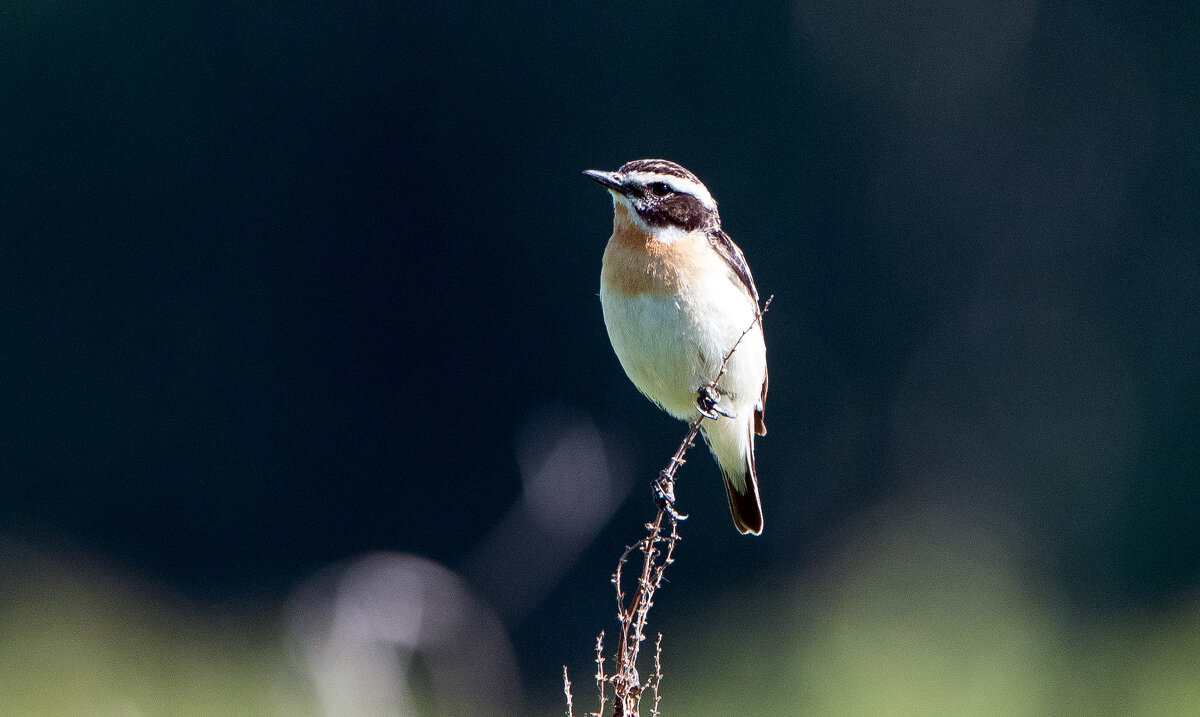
677,297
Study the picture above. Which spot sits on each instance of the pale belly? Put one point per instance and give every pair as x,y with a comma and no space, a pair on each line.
670,347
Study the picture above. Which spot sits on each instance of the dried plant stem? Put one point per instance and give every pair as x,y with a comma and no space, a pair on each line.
658,550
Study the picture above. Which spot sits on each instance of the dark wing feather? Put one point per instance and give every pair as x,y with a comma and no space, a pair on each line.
734,257
760,422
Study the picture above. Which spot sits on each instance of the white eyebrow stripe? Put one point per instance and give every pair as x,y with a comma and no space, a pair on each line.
678,184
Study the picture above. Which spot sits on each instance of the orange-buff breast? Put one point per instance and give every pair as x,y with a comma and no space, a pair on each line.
634,263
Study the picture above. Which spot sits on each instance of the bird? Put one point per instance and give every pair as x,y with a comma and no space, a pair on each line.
677,296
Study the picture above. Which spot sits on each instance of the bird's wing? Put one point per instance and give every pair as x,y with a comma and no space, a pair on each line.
733,256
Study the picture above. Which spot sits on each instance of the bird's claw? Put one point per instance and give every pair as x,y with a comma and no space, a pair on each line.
708,402
664,496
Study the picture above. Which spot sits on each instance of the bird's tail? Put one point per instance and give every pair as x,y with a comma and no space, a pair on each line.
733,448
745,505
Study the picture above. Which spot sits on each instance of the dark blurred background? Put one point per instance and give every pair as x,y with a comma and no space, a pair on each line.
285,285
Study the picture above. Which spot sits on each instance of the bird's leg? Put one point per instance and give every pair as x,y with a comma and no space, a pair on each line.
708,402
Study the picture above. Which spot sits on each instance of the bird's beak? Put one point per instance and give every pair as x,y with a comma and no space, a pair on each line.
608,180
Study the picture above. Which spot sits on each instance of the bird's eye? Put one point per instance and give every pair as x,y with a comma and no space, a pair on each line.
659,189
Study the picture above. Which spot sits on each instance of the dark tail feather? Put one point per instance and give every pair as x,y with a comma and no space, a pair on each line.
746,507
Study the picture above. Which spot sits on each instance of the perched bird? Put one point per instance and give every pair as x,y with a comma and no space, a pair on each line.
677,295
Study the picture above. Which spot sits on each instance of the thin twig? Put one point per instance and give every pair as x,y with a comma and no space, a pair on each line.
655,681
567,690
601,679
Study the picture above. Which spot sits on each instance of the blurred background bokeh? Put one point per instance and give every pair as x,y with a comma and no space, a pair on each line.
308,407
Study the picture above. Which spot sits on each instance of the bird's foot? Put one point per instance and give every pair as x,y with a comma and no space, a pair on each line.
708,402
664,495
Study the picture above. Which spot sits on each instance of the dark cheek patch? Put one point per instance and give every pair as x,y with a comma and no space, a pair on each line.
679,210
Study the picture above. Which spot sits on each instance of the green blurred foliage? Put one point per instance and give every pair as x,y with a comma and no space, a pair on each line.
918,618
912,615
77,640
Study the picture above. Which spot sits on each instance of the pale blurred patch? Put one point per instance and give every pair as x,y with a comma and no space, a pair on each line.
573,479
360,628
365,627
